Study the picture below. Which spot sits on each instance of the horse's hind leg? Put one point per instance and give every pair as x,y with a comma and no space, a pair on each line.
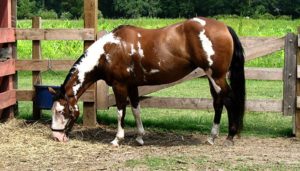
218,107
219,91
121,94
224,97
134,99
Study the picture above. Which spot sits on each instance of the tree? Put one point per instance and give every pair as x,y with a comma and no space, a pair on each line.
75,7
26,8
137,8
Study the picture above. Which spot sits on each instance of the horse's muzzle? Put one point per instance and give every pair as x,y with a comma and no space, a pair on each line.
59,136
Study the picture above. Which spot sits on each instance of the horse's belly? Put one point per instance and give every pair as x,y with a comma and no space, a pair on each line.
165,77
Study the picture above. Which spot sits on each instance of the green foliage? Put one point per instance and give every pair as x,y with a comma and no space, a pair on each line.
75,7
165,8
45,14
66,16
137,8
26,8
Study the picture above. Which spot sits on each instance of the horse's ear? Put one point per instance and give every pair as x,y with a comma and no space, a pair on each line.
51,90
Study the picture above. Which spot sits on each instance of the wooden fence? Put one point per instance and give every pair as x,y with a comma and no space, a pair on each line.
98,97
7,64
37,64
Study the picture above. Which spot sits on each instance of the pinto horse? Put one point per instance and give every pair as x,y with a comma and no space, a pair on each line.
129,57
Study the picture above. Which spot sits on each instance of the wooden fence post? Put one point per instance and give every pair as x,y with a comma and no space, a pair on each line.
14,49
36,75
296,117
90,21
289,75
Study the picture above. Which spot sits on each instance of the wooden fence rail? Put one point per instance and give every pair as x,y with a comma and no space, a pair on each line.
55,34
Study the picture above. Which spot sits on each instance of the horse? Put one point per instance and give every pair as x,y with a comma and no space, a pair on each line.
130,56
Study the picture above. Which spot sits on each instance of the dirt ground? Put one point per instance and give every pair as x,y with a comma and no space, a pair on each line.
26,146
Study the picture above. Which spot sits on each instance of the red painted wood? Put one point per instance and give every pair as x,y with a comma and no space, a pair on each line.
7,67
7,99
5,13
7,35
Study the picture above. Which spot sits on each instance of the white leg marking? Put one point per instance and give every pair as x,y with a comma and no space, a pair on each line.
207,46
216,87
120,134
139,124
214,134
215,130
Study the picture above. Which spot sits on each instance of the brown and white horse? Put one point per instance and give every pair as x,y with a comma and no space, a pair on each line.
129,57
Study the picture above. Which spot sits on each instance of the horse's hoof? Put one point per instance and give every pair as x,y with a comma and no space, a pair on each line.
116,142
228,143
139,140
210,141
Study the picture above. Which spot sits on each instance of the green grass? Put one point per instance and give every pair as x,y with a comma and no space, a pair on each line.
201,162
259,124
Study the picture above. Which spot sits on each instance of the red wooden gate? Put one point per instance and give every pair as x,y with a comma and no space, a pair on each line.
7,63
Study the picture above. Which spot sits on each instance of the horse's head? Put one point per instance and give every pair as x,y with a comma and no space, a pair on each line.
64,114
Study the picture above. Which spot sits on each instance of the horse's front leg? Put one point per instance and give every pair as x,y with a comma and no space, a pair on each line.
140,129
134,100
120,92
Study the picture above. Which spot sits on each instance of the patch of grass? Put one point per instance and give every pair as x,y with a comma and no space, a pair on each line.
183,162
159,163
186,121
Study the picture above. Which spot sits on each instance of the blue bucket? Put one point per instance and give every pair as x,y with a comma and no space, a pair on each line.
43,98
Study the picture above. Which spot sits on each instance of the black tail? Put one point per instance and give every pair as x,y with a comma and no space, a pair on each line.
237,80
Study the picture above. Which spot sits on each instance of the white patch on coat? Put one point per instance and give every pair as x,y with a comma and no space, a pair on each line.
132,50
129,69
107,57
199,20
139,35
207,46
58,119
153,71
159,63
209,75
76,108
140,50
91,58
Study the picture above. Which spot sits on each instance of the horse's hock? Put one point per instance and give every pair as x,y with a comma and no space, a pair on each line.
98,97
